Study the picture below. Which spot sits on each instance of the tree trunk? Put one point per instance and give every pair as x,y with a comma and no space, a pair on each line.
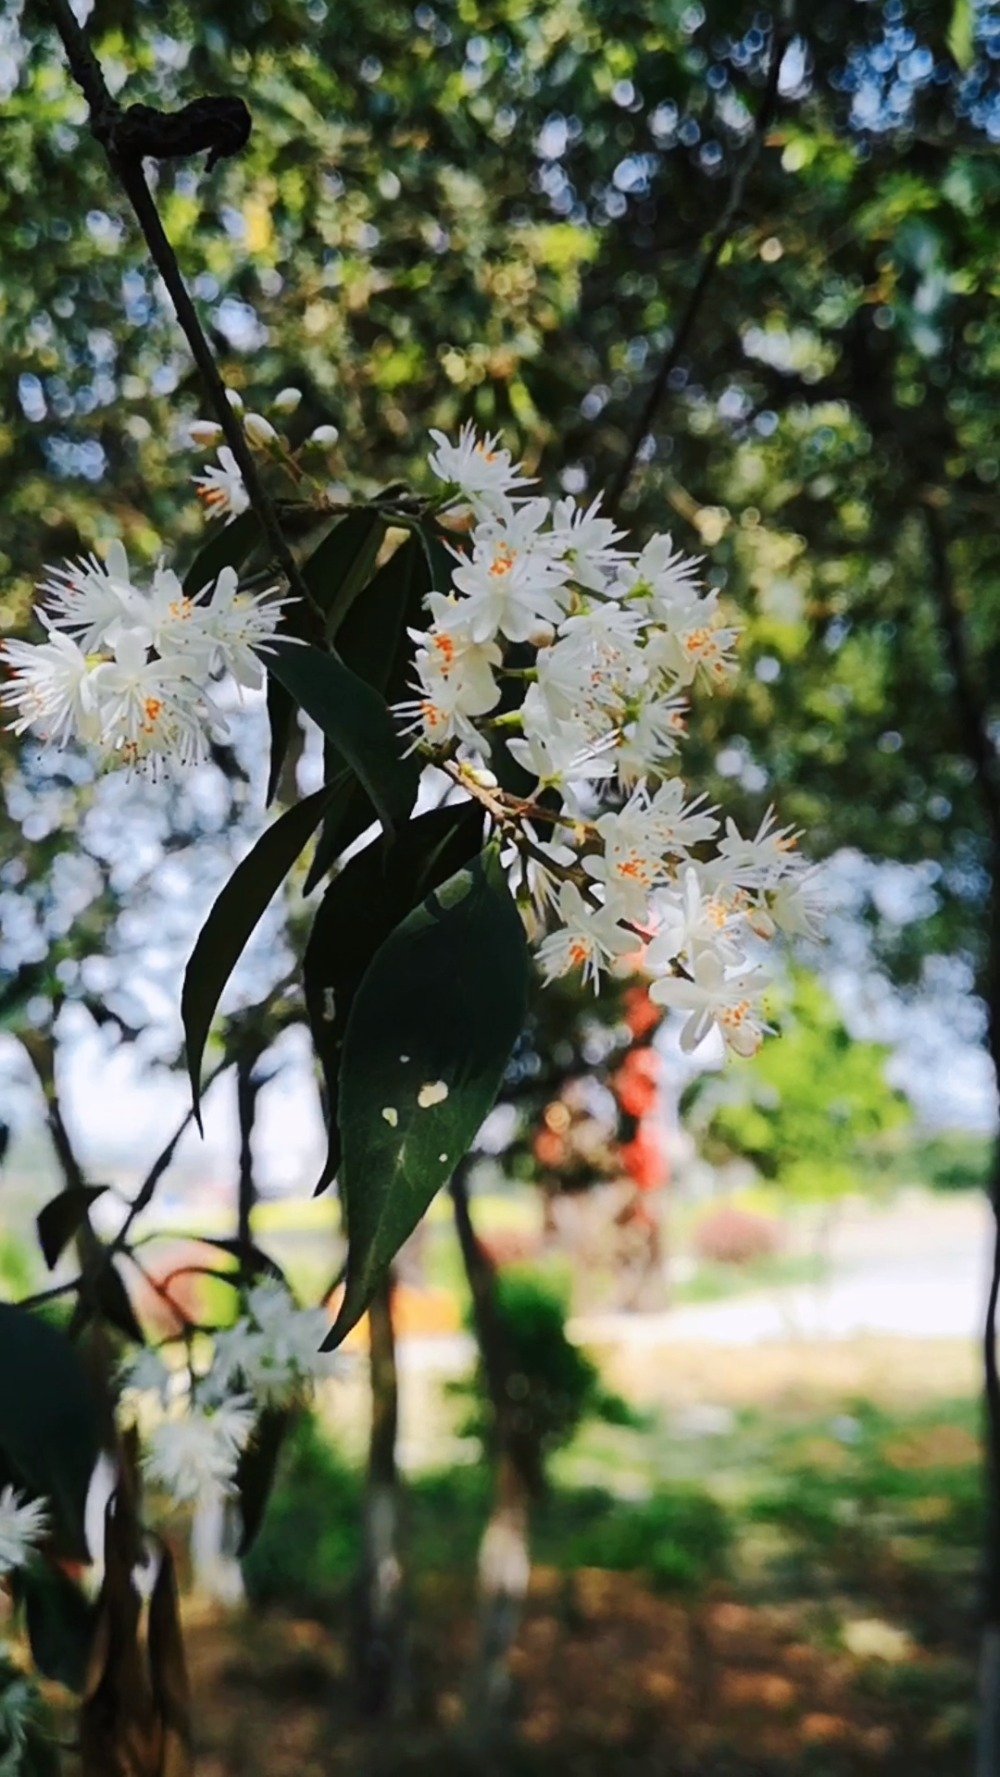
504,1554
380,1622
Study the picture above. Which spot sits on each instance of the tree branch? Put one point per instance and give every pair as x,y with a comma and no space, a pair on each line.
124,143
718,241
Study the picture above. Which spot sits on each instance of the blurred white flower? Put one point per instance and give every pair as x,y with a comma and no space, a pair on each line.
194,1455
23,1524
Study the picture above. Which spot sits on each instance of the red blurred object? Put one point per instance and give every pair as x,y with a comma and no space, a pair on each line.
636,1085
644,1159
641,1015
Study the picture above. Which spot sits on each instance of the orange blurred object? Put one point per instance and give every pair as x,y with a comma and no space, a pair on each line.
644,1159
641,1015
636,1085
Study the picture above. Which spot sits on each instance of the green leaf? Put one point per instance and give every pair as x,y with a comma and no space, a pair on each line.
233,916
428,1037
60,1218
259,1263
61,1624
114,1304
228,547
356,720
373,641
375,890
255,1471
49,1420
961,34
338,569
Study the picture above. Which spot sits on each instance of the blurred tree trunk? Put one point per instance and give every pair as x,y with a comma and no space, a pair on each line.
380,1640
504,1553
972,717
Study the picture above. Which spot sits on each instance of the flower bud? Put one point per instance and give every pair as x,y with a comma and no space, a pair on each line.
286,400
478,774
323,435
258,429
543,635
235,400
206,433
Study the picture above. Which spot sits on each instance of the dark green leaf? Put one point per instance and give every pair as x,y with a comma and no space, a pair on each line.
259,1263
114,1304
256,1470
375,890
228,547
356,720
337,570
428,1036
59,1220
61,1624
234,914
373,641
49,1419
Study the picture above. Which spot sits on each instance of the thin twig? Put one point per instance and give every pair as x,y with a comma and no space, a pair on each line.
718,241
144,1196
105,117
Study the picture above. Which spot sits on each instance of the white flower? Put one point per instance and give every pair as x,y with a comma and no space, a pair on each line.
195,1454
715,996
587,542
438,714
53,689
696,647
559,754
88,598
760,862
588,938
796,906
286,400
151,714
662,576
221,489
542,869
238,625
274,1351
448,653
649,740
690,921
508,588
594,667
477,467
678,825
147,1374
23,1524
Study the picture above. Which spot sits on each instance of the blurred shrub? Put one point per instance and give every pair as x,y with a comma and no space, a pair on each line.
308,1547
732,1236
952,1162
553,1385
680,1538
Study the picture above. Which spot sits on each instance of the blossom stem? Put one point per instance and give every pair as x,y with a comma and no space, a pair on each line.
105,118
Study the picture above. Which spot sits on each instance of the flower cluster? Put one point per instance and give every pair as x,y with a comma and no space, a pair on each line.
128,670
196,1428
575,656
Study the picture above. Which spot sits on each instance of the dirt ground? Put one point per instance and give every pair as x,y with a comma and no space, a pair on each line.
609,1679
